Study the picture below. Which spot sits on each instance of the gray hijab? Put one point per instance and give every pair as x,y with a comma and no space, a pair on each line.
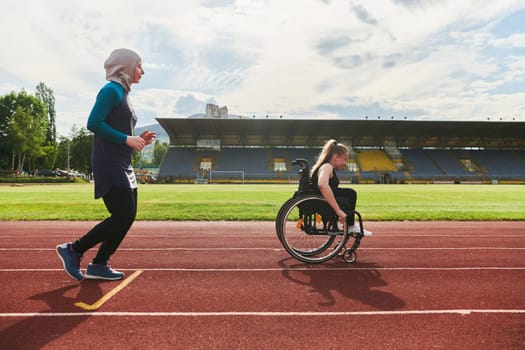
120,67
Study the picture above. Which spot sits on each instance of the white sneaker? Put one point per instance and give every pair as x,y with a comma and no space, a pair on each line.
357,229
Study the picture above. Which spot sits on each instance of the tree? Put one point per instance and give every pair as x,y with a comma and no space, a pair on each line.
62,152
159,150
136,159
6,113
80,150
24,124
45,94
48,159
75,152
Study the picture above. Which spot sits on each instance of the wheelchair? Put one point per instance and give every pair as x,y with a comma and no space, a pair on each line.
309,229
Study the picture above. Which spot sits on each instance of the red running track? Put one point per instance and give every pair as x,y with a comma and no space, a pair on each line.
230,285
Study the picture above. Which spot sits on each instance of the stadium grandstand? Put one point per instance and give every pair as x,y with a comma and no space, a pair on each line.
215,148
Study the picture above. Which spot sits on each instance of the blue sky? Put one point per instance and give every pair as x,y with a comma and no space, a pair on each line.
414,59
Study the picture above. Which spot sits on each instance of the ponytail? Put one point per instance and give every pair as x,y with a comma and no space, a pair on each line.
330,148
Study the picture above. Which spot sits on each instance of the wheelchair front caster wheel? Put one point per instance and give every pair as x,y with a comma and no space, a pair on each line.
350,256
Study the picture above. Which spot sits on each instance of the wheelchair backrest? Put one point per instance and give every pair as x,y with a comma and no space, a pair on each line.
304,175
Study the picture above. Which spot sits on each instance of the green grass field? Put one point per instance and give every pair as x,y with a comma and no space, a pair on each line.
261,202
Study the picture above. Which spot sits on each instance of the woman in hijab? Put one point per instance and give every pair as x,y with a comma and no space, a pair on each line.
112,120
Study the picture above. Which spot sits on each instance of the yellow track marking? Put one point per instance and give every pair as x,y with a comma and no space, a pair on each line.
110,294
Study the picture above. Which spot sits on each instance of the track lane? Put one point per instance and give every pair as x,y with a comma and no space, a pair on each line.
372,304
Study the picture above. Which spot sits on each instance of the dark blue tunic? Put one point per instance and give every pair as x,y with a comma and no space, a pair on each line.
111,161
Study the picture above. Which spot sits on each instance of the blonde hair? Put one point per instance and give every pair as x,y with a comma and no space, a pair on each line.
330,148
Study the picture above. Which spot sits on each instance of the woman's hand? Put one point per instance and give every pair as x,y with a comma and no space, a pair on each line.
148,136
139,142
342,215
135,142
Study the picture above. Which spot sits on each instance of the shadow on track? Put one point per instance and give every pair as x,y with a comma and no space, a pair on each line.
36,332
359,284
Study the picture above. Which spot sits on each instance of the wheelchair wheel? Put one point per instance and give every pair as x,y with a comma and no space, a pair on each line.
308,229
350,256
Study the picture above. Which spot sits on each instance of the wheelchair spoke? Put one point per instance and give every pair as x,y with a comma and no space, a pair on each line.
307,228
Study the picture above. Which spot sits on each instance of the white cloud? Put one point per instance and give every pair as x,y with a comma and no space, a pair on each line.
513,41
432,59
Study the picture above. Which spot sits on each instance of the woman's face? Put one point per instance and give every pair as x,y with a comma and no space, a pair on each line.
339,161
138,73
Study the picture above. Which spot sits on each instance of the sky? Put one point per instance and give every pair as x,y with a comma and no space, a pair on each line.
355,59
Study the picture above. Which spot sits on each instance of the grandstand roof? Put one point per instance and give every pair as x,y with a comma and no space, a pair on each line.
358,133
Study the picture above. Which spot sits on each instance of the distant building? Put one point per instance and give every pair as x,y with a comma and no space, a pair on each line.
214,111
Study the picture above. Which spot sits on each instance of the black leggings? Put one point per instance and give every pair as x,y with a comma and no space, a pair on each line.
346,198
122,205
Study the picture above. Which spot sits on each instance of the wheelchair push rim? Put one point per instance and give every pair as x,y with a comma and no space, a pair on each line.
305,226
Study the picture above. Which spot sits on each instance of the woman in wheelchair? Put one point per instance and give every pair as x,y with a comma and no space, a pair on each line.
334,156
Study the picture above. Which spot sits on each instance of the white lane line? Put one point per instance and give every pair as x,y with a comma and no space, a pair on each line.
275,249
266,314
155,249
291,268
201,235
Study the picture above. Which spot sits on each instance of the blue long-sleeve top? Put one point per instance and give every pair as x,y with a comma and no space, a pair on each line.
108,97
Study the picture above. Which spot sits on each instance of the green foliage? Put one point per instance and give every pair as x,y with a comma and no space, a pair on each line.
45,94
61,153
136,159
23,121
159,150
80,148
48,159
28,130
